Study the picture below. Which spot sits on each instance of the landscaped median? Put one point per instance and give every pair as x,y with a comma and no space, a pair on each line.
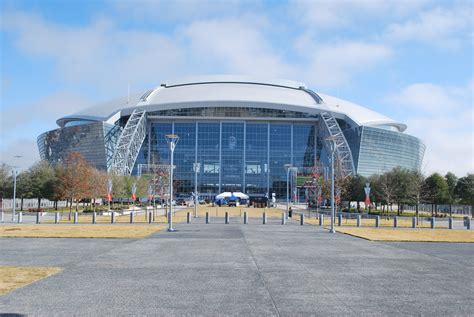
409,235
13,277
124,231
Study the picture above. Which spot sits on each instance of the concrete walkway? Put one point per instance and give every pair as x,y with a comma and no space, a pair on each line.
236,269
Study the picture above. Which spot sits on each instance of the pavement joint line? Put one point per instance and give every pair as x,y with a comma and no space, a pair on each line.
334,293
260,275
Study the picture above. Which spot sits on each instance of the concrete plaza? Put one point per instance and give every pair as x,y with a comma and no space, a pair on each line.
236,269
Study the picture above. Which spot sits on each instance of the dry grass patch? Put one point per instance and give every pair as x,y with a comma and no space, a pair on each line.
402,223
13,277
410,235
79,231
239,212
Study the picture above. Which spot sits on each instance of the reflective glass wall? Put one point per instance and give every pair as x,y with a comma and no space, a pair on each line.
382,150
247,156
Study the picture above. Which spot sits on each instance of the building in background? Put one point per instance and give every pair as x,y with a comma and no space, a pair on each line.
236,134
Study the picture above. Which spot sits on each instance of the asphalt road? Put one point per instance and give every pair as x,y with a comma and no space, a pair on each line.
236,269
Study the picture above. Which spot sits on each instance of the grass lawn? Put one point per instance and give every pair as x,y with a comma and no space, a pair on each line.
13,277
79,231
410,235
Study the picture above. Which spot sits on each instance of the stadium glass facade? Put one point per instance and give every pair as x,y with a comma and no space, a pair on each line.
235,135
247,156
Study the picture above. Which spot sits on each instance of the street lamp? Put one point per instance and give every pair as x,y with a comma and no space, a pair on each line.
15,173
196,166
332,143
172,140
288,167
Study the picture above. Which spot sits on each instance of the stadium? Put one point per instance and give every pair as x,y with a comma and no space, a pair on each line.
235,134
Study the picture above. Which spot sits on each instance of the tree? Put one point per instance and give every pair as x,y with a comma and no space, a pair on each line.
74,177
416,190
41,181
97,185
451,180
465,191
388,186
436,191
6,180
402,180
354,189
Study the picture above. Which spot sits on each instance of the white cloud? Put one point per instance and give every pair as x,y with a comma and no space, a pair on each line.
26,148
443,118
98,54
335,64
235,46
440,26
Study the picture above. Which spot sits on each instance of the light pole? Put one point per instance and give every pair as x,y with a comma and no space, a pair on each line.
172,140
15,172
196,197
288,167
332,142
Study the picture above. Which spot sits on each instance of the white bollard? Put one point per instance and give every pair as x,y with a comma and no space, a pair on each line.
339,219
56,217
433,222
301,219
94,218
283,218
2,216
112,217
75,217
377,221
264,218
20,217
132,217
359,220
38,218
188,217
413,222
226,218
150,217
246,218
395,222
207,218
469,224
450,223
321,219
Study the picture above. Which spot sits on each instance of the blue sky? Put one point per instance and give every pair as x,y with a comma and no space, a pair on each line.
410,60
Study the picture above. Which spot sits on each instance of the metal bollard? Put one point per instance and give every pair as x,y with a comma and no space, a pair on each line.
207,218
433,222
2,216
283,218
264,218
395,222
359,220
150,217
321,219
226,218
339,220
20,217
132,217
246,218
301,219
188,217
413,222
94,217
377,221
38,218
56,217
469,224
112,217
450,223
76,216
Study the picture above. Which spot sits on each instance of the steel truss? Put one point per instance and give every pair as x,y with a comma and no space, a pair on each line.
129,143
330,127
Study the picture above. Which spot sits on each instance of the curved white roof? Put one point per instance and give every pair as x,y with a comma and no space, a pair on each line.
237,91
